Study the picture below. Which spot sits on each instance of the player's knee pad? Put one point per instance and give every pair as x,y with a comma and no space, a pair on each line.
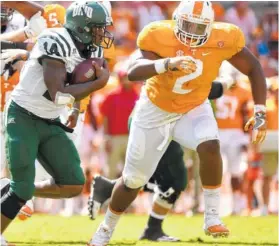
11,204
166,199
134,181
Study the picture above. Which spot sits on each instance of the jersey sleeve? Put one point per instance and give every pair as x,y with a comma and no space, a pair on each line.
51,45
239,41
146,40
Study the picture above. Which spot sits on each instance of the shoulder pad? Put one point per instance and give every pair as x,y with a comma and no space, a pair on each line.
157,34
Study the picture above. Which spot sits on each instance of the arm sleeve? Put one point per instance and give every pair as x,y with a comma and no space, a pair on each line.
216,90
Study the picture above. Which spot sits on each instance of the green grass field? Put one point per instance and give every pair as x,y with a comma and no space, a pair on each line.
54,230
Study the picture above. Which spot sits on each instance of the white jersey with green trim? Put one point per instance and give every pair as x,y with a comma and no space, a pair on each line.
31,93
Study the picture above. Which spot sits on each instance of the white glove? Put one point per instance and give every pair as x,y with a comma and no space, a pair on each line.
10,55
36,25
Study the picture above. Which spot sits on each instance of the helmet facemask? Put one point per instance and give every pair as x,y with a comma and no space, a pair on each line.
192,31
102,37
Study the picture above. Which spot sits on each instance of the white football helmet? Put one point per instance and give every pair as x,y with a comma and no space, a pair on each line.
194,21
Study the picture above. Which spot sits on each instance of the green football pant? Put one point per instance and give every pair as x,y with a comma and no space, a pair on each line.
28,137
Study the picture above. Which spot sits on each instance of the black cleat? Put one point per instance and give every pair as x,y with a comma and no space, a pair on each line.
5,185
101,189
157,235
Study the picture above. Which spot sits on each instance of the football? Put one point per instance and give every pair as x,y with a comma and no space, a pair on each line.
85,71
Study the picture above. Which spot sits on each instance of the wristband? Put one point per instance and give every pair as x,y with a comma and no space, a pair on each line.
259,108
160,66
75,109
28,32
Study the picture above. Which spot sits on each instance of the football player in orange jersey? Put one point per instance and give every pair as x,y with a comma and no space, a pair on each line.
231,114
179,60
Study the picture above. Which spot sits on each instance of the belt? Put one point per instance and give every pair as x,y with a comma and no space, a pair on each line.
55,121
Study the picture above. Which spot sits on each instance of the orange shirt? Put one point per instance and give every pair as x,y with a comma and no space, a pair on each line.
177,92
229,107
7,87
272,113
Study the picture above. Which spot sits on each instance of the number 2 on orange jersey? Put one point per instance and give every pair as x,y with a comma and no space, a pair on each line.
177,88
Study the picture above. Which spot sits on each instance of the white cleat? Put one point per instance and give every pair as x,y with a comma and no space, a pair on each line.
102,236
4,242
215,228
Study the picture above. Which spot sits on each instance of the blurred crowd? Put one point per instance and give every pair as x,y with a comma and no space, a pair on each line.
253,187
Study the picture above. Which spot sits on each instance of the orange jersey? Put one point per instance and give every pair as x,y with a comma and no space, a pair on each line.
229,108
7,87
177,92
54,14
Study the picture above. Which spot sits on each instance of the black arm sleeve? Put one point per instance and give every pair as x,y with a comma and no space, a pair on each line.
216,90
13,45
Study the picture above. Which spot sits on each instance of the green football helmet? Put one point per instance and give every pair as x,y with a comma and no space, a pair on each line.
87,22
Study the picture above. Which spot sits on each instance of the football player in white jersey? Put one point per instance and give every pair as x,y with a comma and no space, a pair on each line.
32,125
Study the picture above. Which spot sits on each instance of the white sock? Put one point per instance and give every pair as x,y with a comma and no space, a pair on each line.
157,216
111,218
211,202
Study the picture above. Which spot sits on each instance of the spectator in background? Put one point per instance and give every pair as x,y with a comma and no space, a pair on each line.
244,17
125,25
148,12
269,70
116,110
219,11
259,46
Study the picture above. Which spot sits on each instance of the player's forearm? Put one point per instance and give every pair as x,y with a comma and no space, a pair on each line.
13,45
15,36
258,84
143,69
82,90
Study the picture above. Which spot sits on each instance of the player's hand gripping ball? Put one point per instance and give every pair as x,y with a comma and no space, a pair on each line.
85,71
